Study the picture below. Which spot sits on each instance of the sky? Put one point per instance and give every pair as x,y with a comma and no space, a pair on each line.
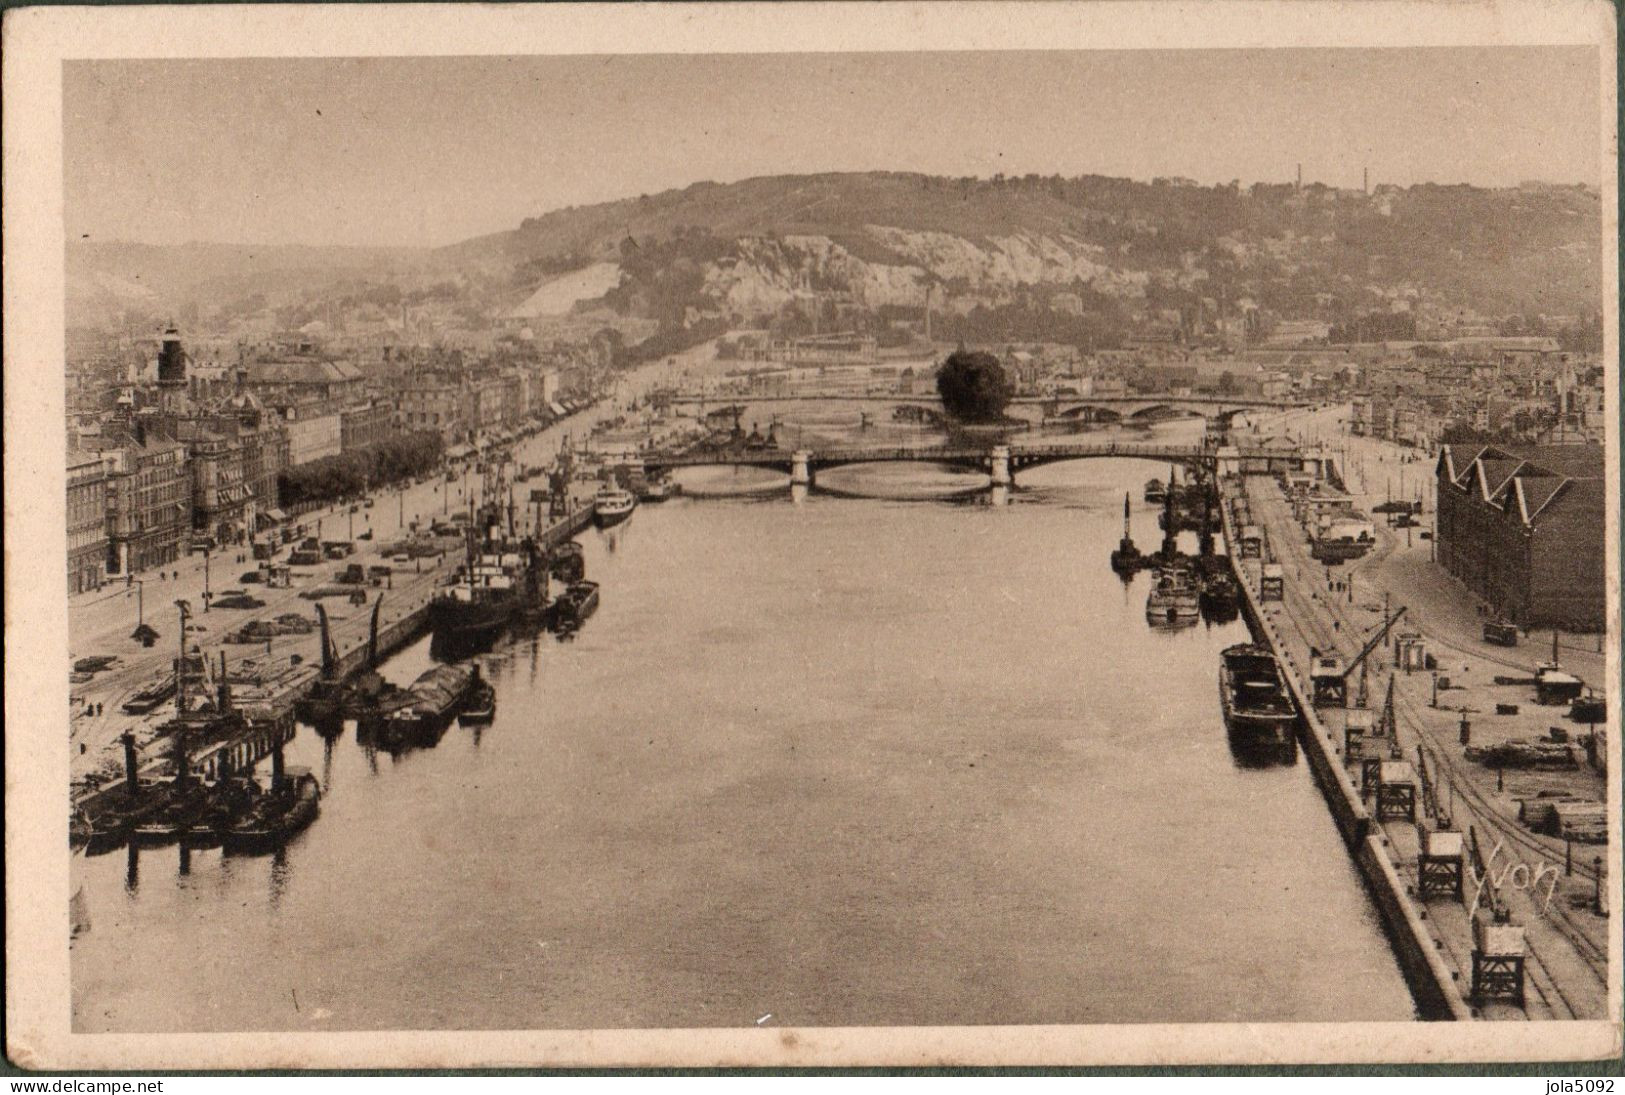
430,151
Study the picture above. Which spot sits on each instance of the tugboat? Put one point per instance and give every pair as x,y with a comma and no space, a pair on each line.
1221,596
612,505
481,706
502,581
273,817
656,490
1258,707
1126,559
1173,599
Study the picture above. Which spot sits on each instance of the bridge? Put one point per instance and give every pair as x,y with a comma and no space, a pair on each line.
1082,408
1001,462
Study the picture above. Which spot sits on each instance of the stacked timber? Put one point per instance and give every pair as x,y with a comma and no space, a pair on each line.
1524,753
1582,820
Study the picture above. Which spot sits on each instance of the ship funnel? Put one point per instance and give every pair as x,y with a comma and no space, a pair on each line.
327,646
278,767
372,634
130,780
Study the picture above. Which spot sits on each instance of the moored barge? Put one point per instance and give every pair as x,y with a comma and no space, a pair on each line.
1258,706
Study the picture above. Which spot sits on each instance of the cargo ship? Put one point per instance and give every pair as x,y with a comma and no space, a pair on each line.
426,707
1258,707
502,581
612,505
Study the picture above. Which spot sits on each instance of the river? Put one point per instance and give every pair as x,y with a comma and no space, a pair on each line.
841,761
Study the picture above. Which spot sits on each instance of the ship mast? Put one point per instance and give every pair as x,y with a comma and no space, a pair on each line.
180,665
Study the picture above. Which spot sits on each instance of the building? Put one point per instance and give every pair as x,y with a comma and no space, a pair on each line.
304,376
149,503
87,521
432,405
223,509
265,452
1524,530
314,430
365,423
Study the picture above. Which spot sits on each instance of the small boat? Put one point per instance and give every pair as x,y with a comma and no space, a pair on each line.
481,706
656,490
1155,491
566,563
151,697
1258,707
182,807
276,815
1173,598
612,505
1219,590
572,607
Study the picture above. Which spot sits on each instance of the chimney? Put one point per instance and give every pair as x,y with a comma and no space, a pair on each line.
1300,177
1365,180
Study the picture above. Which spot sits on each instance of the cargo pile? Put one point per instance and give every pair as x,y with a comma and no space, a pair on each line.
1582,820
259,631
1524,753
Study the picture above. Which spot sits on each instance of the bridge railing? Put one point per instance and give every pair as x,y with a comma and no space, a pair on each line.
1056,450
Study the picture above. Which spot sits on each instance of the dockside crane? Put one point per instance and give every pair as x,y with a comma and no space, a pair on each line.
1329,678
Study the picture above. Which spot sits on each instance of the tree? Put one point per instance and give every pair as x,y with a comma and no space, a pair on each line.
974,386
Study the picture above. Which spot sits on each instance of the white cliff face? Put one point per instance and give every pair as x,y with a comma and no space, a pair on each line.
768,272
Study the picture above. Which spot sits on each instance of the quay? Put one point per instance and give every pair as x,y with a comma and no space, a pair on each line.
1489,920
272,694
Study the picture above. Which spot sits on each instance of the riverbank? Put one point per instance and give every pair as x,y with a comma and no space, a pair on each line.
1565,938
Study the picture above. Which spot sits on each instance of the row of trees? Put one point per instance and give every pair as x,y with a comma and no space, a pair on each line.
350,473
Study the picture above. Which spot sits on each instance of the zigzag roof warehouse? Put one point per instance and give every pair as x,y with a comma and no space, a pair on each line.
1519,528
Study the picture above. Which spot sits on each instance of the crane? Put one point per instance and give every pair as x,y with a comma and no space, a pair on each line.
1329,678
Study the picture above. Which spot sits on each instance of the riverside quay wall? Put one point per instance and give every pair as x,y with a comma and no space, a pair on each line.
1431,982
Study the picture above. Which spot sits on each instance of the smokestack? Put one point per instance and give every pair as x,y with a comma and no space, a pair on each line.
1365,180
1300,177
130,780
278,767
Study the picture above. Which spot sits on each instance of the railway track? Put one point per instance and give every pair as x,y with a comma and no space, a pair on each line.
1346,640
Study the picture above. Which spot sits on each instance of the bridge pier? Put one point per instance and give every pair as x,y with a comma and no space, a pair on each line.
800,468
1000,469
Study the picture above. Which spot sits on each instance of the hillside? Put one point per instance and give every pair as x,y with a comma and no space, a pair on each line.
1122,249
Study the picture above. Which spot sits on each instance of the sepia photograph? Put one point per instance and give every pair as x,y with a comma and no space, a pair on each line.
795,536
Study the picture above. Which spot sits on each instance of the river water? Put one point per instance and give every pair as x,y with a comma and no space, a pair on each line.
845,761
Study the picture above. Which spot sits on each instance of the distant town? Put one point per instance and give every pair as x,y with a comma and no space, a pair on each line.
181,441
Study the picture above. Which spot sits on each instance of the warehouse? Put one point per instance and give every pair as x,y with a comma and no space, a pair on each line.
1525,530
